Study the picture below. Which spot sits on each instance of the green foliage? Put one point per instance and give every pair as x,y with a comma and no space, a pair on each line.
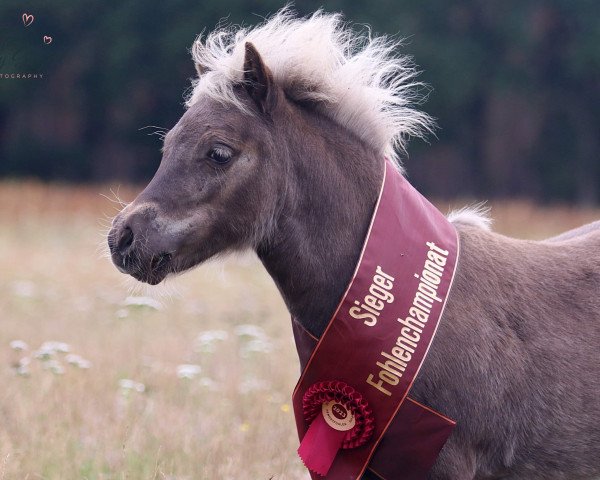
515,87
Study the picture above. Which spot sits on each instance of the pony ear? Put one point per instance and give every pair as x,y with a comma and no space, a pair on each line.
258,79
198,53
201,69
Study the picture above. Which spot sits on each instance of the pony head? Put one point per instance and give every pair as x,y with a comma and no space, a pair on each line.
268,102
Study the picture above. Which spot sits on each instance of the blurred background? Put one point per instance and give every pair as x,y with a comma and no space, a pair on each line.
515,88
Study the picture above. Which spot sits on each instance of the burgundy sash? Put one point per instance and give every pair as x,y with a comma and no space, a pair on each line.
367,359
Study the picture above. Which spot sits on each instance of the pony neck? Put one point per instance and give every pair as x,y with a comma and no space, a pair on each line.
331,195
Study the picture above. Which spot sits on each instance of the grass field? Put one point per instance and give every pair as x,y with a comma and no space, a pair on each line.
188,381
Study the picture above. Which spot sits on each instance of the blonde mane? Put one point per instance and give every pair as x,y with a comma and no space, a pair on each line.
353,78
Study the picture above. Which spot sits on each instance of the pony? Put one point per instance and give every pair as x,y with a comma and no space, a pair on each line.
281,150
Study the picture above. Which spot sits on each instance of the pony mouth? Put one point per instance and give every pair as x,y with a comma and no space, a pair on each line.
152,273
160,261
159,268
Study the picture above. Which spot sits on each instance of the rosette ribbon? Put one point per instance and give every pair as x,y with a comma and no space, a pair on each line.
339,417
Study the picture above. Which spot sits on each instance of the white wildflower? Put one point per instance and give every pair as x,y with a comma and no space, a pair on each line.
188,370
122,313
43,354
84,364
18,345
205,342
256,340
127,384
249,330
55,347
142,302
78,361
208,383
256,346
54,366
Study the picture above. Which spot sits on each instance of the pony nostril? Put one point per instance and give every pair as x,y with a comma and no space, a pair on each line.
125,240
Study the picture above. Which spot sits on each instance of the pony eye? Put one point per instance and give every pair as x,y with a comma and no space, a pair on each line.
220,154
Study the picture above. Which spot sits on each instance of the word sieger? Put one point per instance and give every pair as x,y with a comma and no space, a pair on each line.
373,303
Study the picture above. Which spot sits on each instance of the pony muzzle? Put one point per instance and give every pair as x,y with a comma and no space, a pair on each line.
134,248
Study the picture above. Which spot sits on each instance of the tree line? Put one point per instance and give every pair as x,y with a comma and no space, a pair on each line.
515,88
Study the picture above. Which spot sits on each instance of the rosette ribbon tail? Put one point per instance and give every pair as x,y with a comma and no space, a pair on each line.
320,445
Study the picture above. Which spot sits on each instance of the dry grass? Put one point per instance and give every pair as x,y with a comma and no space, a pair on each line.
231,421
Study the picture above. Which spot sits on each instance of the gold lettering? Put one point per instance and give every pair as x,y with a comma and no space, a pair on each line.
394,364
430,277
412,324
395,360
381,272
389,366
382,294
401,354
406,344
356,312
375,302
418,314
429,291
433,267
433,246
438,259
378,385
415,337
423,302
382,282
388,377
371,301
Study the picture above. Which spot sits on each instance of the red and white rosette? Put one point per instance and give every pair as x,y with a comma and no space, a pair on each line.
340,418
